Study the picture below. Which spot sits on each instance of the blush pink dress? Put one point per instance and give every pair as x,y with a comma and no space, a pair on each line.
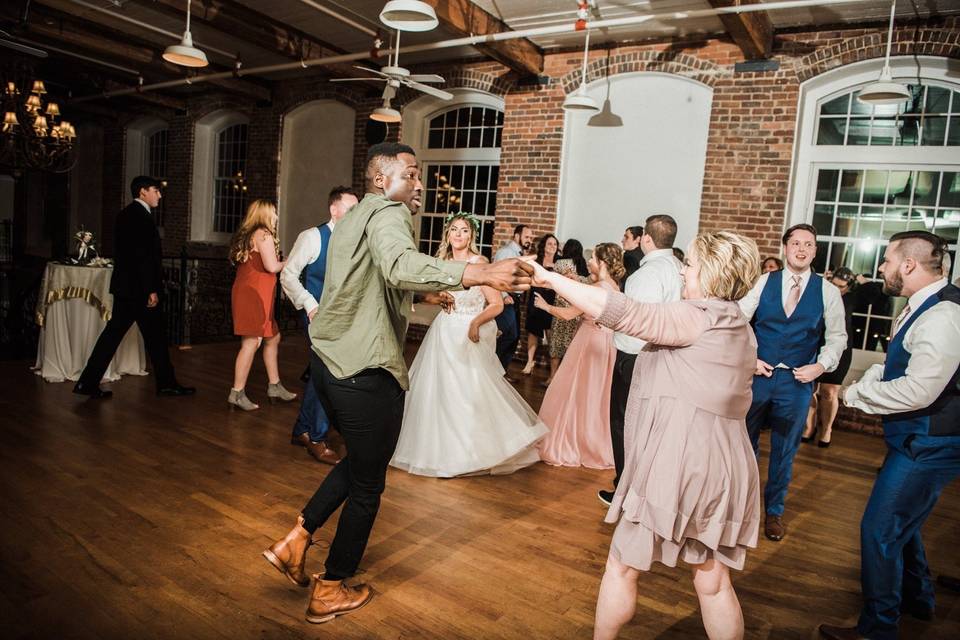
576,407
690,489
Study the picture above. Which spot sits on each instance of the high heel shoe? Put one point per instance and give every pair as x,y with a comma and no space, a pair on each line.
239,400
807,439
823,444
276,393
527,370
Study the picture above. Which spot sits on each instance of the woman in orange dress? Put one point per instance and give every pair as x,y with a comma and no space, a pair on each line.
254,251
576,406
690,490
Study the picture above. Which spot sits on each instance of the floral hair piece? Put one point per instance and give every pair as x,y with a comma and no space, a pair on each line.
465,215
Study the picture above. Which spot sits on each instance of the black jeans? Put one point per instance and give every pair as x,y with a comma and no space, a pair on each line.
367,410
619,390
152,328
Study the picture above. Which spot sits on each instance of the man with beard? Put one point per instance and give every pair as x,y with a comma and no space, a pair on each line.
791,310
917,391
508,322
357,365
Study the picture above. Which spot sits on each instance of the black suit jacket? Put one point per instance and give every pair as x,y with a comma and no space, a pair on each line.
137,255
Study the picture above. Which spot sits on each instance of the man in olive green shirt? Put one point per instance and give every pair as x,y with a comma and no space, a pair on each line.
357,365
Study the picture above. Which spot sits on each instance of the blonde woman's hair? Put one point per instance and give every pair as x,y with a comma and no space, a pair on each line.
729,264
444,252
259,216
611,255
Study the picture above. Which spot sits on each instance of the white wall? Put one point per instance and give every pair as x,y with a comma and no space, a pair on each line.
316,156
614,177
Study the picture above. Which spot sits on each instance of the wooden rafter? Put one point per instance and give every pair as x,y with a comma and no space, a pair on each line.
752,32
466,18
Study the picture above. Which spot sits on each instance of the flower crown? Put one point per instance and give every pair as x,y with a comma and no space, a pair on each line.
466,215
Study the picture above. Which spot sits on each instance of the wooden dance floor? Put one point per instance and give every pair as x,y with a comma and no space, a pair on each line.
144,517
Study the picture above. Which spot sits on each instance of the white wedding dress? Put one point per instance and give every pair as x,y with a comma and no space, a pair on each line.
461,416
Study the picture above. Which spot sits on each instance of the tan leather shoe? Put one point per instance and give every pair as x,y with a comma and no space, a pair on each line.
289,556
319,450
840,633
773,528
332,598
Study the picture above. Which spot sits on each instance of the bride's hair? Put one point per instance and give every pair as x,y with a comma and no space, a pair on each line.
259,216
444,252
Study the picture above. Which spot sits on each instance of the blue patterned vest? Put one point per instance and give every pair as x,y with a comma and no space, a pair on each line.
794,341
314,273
942,417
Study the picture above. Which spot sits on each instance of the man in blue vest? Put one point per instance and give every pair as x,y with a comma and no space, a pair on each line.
302,280
794,311
917,391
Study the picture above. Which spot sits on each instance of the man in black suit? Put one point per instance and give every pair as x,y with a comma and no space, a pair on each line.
135,286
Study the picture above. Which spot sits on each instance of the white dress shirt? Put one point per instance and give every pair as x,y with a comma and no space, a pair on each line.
145,205
934,345
834,315
305,251
657,279
509,250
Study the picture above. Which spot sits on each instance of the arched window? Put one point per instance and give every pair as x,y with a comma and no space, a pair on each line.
458,146
218,195
146,154
229,189
864,173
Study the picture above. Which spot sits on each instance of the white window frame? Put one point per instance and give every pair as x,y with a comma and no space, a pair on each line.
206,131
810,158
136,146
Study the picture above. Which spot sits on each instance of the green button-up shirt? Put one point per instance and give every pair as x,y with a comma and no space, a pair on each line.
373,266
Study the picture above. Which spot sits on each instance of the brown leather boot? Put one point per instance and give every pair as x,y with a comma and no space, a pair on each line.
289,555
332,598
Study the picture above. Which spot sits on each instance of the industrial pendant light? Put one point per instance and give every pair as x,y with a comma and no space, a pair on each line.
386,113
579,100
409,15
185,54
885,90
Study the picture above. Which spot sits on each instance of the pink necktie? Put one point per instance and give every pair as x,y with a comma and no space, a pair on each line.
900,318
793,297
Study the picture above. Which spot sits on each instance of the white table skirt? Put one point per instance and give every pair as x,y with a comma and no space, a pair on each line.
70,330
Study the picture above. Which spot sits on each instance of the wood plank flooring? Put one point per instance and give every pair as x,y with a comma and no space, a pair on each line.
144,517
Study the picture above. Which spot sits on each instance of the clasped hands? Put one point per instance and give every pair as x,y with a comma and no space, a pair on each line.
804,374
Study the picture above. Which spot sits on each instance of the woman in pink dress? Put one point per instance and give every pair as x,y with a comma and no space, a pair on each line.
576,407
690,489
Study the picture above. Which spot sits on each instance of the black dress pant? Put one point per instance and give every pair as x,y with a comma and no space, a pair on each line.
367,410
152,328
508,323
619,390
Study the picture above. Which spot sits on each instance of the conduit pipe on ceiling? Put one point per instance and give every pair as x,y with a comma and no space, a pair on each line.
345,20
148,26
475,40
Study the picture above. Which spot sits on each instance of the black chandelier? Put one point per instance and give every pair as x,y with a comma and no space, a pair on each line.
34,135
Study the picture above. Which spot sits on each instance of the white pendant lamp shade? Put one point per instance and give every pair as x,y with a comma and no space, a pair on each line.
579,100
185,54
386,114
885,90
409,15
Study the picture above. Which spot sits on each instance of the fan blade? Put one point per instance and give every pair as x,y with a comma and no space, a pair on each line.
425,77
369,70
430,91
358,80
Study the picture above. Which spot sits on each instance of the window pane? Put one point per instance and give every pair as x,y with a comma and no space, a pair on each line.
869,227
463,117
451,119
435,139
462,138
846,221
840,104
850,184
947,223
449,139
934,131
489,136
827,185
859,132
938,100
953,133
950,190
823,218
483,177
475,138
857,107
469,177
909,130
875,186
925,188
476,117
897,219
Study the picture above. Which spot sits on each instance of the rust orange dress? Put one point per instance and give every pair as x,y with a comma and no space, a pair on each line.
253,293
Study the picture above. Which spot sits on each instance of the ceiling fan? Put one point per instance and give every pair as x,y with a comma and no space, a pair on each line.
396,76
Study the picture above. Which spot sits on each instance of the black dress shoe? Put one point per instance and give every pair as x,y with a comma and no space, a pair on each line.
93,392
606,497
176,390
949,582
919,611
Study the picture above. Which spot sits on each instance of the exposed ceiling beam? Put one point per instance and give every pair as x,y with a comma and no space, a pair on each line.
126,50
465,18
151,97
752,32
244,23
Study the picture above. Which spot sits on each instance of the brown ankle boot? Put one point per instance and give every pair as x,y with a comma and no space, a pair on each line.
332,598
289,555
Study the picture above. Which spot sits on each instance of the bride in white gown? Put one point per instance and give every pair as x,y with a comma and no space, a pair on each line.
461,415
